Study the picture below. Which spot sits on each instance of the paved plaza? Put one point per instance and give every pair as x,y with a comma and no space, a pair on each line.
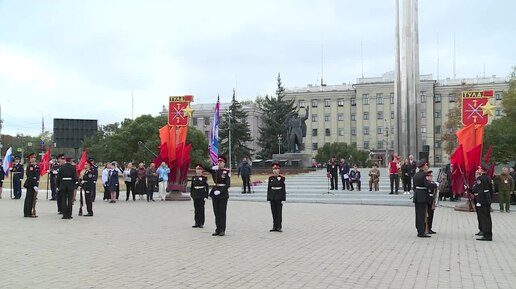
152,245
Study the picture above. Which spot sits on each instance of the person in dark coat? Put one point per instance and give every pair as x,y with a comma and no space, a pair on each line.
332,169
2,176
54,168
199,192
483,191
245,172
31,184
17,177
219,194
67,181
276,194
421,197
152,179
344,174
113,182
88,183
406,176
95,175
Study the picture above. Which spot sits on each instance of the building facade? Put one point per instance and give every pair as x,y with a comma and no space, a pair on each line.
363,114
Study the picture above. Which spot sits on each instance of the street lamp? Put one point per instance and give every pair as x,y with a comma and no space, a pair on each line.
279,143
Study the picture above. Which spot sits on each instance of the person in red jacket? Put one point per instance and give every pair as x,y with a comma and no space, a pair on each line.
394,168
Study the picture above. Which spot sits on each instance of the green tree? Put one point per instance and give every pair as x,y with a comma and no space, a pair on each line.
235,121
342,150
500,133
454,122
275,114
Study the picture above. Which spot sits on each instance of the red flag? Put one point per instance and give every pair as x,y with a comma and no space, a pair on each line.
488,154
458,171
469,137
163,155
474,158
44,164
80,165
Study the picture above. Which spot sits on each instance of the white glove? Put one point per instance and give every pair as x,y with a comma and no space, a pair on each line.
36,189
216,193
215,167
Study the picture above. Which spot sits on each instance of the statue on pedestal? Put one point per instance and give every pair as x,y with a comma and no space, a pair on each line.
296,132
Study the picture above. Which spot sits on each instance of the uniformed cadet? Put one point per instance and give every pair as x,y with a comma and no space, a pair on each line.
31,184
276,194
67,181
17,177
199,191
54,167
483,191
219,195
432,195
88,183
95,171
420,199
332,169
61,161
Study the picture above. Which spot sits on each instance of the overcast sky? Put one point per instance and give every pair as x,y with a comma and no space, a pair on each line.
82,59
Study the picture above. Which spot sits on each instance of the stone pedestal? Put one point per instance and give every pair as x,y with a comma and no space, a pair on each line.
176,193
300,160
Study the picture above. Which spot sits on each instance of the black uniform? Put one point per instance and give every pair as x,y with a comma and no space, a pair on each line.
17,176
333,168
483,191
220,202
95,173
88,184
276,193
31,182
199,191
432,191
66,181
421,197
53,174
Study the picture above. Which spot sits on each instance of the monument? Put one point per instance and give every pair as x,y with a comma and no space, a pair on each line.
296,130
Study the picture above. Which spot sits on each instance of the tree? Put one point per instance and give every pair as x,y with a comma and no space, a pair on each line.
119,141
275,113
235,121
500,133
342,150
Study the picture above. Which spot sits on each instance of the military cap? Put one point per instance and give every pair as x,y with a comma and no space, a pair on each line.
89,162
31,155
17,158
276,166
91,159
60,156
68,158
428,173
199,166
222,159
421,163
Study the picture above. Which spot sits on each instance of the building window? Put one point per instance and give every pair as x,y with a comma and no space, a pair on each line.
353,101
392,143
423,129
353,131
314,132
379,98
366,145
498,112
341,131
366,115
207,134
379,144
379,130
314,102
437,144
424,142
498,95
206,120
437,114
302,103
392,97
451,97
340,102
392,114
437,159
423,96
437,129
340,117
314,117
327,117
423,114
327,132
392,130
353,117
194,119
327,103
314,146
379,115
366,130
437,98
365,99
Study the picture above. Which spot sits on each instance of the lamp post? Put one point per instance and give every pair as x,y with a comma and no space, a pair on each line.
386,143
279,143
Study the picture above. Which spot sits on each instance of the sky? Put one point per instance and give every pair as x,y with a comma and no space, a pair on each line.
84,59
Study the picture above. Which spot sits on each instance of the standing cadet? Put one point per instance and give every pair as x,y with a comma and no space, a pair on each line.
2,176
67,181
62,161
432,195
17,177
219,195
88,183
54,167
31,184
483,191
95,172
332,170
276,194
421,186
199,191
